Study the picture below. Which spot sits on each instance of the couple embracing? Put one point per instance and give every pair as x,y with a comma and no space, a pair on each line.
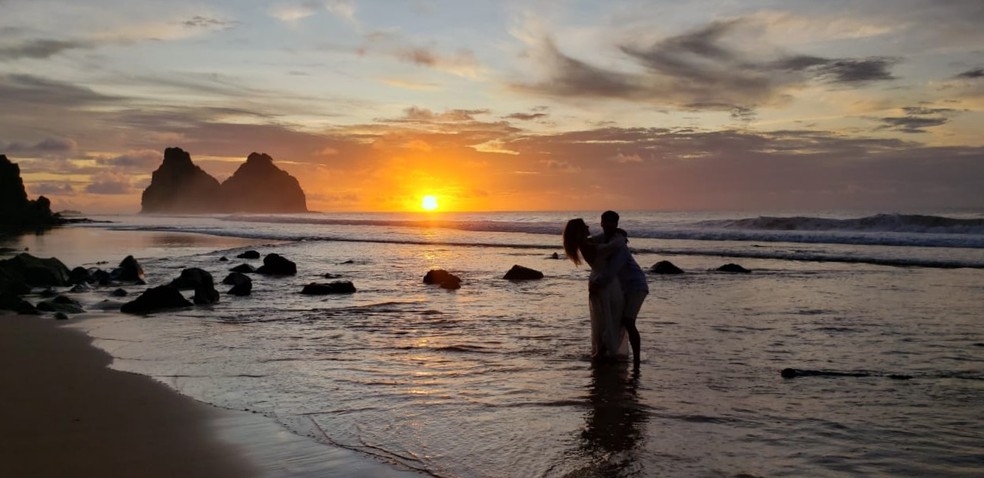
616,287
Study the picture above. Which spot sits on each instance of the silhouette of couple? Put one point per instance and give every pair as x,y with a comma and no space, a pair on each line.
616,287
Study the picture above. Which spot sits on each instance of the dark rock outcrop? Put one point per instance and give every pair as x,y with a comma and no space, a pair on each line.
201,281
119,293
129,270
61,304
442,278
733,268
243,268
16,304
154,299
193,278
178,186
16,210
337,287
80,275
519,272
241,284
275,264
259,186
665,267
249,255
26,270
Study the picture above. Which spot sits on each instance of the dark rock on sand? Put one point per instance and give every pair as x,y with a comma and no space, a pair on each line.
329,275
223,259
178,185
206,295
665,267
48,293
61,304
259,186
519,272
60,316
275,264
337,287
33,271
154,299
734,268
241,283
442,278
249,255
555,256
119,293
244,268
129,270
16,304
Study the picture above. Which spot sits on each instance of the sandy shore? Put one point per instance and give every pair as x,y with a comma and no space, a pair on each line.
64,413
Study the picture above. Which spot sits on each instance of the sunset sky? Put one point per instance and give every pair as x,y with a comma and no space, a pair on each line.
505,105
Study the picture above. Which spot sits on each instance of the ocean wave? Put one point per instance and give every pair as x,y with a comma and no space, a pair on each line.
923,224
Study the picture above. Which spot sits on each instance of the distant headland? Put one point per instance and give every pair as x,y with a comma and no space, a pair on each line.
258,186
16,210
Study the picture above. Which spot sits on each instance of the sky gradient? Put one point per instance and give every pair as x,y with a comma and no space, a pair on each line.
873,105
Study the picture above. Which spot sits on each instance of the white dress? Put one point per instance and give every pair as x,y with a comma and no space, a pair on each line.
609,338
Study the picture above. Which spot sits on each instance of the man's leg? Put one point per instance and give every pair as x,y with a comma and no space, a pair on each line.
633,303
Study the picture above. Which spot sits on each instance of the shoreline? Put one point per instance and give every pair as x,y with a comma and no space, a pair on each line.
65,412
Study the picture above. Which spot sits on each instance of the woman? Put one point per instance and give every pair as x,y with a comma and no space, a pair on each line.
608,336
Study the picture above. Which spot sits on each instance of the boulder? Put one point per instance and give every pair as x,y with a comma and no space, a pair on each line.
16,304
100,276
34,271
665,267
81,287
206,295
249,255
60,316
442,278
244,268
193,278
519,272
119,293
61,304
733,268
275,264
154,299
129,270
179,186
80,275
260,186
223,259
241,284
337,287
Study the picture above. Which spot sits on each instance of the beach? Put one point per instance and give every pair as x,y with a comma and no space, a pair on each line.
494,379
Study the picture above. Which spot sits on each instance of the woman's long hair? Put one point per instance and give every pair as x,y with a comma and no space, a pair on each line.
573,233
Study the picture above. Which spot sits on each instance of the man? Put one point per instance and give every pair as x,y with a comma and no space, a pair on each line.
631,277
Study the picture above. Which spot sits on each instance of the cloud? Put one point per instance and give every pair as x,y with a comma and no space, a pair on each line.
526,116
45,147
34,91
41,49
63,189
137,161
209,23
974,74
702,68
110,183
913,124
293,12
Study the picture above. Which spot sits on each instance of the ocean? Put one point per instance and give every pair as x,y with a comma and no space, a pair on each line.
882,314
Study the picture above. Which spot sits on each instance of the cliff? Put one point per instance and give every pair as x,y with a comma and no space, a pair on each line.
259,186
15,208
178,186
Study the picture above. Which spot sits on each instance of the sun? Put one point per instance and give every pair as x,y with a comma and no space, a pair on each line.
429,203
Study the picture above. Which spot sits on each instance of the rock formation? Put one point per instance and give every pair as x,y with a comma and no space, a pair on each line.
179,186
259,186
519,272
15,208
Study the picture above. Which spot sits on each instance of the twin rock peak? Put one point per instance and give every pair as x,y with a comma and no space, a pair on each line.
178,186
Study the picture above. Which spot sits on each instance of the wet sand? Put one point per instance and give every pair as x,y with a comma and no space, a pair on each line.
64,413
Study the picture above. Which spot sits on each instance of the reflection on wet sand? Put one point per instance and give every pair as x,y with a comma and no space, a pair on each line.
614,420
